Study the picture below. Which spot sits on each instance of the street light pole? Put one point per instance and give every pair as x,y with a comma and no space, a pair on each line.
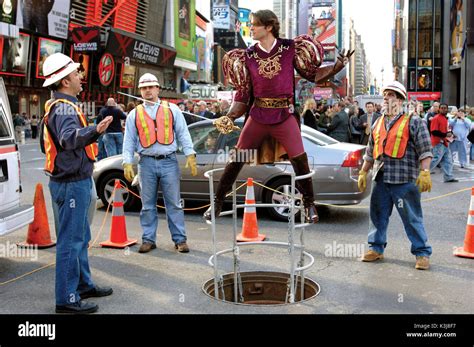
466,53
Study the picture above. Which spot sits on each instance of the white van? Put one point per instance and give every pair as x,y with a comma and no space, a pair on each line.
12,215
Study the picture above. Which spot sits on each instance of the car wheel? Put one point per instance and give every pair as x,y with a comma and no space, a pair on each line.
282,185
106,187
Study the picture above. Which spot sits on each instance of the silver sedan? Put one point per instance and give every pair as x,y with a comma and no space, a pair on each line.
336,165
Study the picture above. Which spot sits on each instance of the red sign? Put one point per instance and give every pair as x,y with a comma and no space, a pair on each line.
106,69
424,96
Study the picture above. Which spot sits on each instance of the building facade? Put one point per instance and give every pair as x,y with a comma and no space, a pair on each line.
439,50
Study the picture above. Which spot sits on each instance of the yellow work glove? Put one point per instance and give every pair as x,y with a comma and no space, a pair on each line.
191,163
128,172
225,125
362,181
424,181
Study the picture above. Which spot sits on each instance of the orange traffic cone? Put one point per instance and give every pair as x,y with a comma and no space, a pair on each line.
118,231
38,231
468,250
249,227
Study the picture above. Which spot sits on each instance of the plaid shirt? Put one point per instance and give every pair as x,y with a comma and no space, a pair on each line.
405,169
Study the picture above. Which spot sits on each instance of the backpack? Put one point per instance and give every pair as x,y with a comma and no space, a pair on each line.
470,136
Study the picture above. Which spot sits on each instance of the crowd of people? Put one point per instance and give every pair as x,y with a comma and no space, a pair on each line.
26,124
346,121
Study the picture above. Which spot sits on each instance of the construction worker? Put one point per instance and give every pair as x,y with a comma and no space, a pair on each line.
398,146
70,147
154,129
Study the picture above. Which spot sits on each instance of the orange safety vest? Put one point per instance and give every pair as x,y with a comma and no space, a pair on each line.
394,142
159,130
50,147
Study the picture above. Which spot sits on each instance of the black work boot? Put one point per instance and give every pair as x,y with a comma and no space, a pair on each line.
228,178
305,186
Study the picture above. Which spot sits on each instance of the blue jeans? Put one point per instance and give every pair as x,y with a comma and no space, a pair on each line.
102,153
460,148
165,172
113,143
406,199
442,154
90,213
73,274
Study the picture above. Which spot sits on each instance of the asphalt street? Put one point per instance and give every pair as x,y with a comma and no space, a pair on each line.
164,281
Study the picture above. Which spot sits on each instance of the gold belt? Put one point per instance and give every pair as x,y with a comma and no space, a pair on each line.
272,102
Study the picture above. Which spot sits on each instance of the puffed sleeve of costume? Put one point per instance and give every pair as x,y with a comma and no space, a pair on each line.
309,55
237,73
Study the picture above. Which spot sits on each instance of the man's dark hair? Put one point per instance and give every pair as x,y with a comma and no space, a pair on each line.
443,104
369,103
267,18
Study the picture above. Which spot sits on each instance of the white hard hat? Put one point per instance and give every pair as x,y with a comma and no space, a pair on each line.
396,87
148,80
56,67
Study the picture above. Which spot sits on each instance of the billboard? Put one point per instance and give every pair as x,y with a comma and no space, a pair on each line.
457,28
127,77
46,17
14,55
221,14
84,67
185,29
8,11
323,26
46,47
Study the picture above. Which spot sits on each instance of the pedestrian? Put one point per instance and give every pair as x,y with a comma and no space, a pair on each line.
309,117
263,76
324,119
398,146
113,137
154,130
368,120
461,127
18,122
34,126
356,127
439,140
434,110
70,154
203,111
339,127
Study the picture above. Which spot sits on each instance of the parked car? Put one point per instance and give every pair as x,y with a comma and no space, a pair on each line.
336,165
13,215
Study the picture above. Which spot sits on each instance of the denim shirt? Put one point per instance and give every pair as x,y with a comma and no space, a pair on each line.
132,144
72,163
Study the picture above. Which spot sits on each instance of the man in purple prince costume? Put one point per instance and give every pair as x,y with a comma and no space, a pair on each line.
263,76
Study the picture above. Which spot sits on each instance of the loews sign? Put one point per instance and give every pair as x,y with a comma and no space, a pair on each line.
139,51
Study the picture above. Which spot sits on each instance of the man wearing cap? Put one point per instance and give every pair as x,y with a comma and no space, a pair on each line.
398,146
154,129
71,149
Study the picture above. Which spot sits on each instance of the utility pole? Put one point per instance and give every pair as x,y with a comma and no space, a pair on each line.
465,68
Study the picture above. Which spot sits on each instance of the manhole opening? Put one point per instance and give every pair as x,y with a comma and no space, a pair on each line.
262,288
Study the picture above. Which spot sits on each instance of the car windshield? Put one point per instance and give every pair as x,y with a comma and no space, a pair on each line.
320,138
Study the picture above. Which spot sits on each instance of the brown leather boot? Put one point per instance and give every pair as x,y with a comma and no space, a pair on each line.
228,178
301,167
